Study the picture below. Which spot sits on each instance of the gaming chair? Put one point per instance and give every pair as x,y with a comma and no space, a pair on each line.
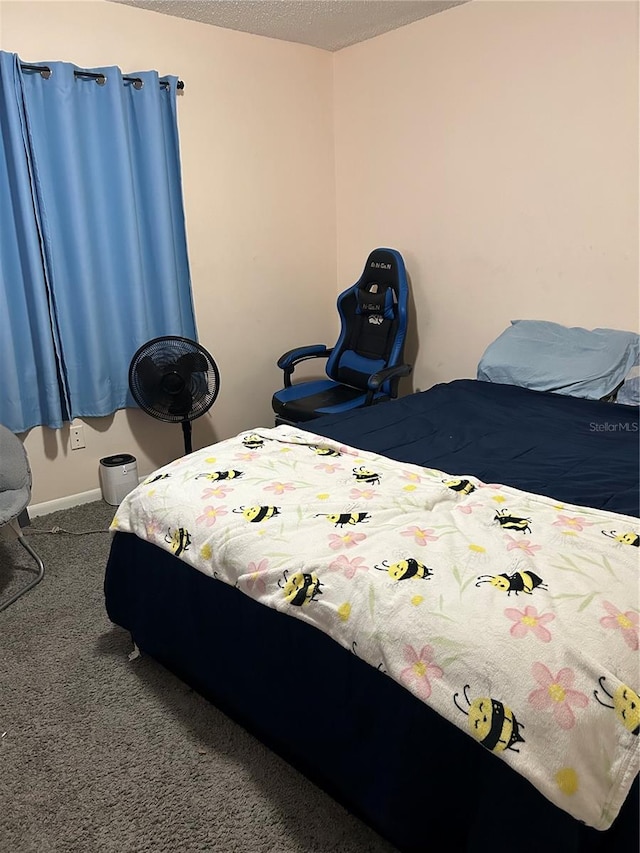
366,363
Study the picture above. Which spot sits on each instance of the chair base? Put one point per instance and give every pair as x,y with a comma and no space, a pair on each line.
4,604
280,421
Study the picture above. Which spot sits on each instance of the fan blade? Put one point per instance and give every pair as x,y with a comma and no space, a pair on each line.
148,375
191,362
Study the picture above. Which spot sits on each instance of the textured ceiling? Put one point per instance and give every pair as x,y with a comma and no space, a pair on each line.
327,24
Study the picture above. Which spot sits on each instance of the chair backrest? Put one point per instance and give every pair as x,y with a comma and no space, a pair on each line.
373,316
15,494
15,476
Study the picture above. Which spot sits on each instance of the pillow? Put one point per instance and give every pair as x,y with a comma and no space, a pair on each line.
629,393
546,356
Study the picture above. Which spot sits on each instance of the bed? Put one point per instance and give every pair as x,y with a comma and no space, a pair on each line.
431,610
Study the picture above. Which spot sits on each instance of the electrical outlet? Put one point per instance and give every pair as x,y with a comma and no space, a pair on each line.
76,437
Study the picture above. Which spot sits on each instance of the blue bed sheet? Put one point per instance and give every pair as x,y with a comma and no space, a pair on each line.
579,451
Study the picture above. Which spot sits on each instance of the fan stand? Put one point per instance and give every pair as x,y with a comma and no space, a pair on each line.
186,431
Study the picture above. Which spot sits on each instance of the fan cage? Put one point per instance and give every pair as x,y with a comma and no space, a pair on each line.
164,352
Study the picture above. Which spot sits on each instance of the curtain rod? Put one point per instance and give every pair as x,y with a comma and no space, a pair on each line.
100,78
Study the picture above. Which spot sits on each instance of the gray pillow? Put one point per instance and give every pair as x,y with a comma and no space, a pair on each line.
545,356
629,393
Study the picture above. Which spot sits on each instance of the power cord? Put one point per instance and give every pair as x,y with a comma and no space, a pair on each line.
28,530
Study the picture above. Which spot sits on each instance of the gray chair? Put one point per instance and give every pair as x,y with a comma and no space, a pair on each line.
15,494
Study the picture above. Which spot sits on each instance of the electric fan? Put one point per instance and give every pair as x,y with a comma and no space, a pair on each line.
174,379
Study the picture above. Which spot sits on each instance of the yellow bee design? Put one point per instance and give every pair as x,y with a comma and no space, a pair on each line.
179,540
512,522
258,513
300,588
405,569
221,475
321,450
340,519
156,478
491,722
517,582
628,538
253,442
626,704
465,487
362,475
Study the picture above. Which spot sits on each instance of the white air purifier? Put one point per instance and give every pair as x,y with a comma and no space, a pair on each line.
118,476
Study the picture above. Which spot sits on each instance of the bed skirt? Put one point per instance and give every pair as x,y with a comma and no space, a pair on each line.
353,731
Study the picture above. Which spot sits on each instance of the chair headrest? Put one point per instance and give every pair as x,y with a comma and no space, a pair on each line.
381,267
375,297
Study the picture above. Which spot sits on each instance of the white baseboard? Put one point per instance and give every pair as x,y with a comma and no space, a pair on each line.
67,502
64,503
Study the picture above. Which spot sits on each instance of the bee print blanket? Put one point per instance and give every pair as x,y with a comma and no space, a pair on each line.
511,614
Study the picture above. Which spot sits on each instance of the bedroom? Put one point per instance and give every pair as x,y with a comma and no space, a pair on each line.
502,162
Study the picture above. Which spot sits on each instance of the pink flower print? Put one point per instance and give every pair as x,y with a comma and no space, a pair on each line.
345,540
280,488
210,515
421,668
328,467
522,545
152,528
625,622
528,620
216,492
365,494
255,579
348,567
467,508
411,476
556,693
246,456
572,523
420,536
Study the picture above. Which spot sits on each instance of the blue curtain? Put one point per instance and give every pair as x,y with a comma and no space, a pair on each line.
105,166
31,390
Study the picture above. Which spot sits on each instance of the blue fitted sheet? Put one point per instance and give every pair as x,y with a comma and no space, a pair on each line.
579,451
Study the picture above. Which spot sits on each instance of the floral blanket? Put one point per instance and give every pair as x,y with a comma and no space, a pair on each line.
512,615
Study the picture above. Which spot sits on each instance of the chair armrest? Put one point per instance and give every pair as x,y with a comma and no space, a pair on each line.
288,361
377,379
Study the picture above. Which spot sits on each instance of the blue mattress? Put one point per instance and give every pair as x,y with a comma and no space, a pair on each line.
579,451
381,752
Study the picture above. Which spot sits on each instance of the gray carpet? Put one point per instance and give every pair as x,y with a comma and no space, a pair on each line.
99,753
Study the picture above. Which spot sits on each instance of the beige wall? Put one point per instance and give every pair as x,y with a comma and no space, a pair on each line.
495,145
256,137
